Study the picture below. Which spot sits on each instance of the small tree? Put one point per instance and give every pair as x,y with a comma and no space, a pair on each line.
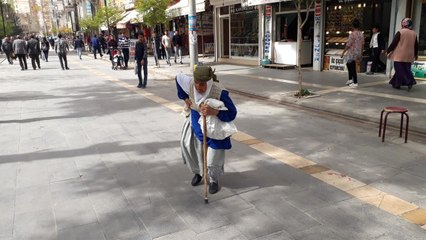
88,24
300,4
107,15
153,11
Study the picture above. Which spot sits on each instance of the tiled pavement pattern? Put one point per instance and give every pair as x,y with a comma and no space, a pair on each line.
83,158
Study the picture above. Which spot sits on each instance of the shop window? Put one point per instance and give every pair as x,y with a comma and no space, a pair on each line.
287,27
287,6
224,10
244,32
422,31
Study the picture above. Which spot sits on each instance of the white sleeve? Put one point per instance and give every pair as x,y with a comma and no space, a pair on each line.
184,82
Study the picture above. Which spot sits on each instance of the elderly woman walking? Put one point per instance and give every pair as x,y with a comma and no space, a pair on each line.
403,51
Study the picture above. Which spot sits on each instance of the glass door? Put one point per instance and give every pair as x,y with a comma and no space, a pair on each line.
224,26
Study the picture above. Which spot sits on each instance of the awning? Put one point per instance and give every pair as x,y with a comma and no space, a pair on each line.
182,8
131,16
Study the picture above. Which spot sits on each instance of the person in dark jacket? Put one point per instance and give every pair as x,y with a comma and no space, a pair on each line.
96,46
124,43
177,44
112,45
45,46
141,60
78,46
61,48
33,50
20,49
377,45
7,48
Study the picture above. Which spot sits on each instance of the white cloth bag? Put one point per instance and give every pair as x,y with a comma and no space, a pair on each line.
217,129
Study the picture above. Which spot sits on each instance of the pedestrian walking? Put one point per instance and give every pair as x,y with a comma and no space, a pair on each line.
20,49
124,43
112,46
45,46
194,91
155,48
7,48
78,46
354,48
377,45
61,48
103,43
403,51
167,45
96,46
178,43
33,50
141,60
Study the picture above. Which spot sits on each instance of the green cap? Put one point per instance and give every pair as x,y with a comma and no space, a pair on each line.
203,73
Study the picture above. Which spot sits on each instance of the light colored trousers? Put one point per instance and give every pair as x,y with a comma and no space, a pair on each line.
178,53
79,52
192,154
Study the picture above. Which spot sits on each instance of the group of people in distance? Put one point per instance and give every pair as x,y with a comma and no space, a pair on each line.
402,51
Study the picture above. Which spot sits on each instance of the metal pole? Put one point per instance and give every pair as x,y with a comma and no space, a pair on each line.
193,46
2,18
106,13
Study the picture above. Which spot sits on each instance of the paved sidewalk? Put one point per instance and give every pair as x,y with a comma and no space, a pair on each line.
364,102
86,155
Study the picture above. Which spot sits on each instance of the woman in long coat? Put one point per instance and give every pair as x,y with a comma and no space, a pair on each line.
403,51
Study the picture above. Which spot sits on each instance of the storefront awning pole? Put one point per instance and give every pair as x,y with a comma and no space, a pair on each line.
193,46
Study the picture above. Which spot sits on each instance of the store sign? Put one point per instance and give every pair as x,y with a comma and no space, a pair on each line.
192,21
261,2
268,11
337,63
132,49
238,8
419,69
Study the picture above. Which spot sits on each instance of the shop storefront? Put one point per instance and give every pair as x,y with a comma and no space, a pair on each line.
285,39
179,14
338,25
237,33
419,17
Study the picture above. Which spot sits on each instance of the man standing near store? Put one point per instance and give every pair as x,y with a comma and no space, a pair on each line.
377,45
33,49
6,47
96,46
78,46
177,43
141,60
167,44
20,49
124,43
61,48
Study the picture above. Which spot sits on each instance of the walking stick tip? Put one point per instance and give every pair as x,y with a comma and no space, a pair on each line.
206,200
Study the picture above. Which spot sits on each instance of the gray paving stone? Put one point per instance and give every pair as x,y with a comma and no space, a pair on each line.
128,175
33,199
122,223
8,174
35,225
252,223
306,200
68,190
89,231
32,174
182,235
7,210
317,232
165,225
107,202
74,213
290,218
223,233
406,186
230,205
283,235
359,220
62,169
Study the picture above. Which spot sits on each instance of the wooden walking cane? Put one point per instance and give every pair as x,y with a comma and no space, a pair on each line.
206,199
